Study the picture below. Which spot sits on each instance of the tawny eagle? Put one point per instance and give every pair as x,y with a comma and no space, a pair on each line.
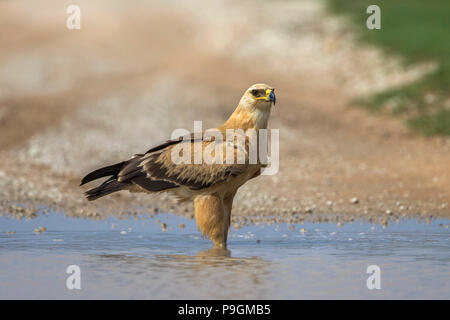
211,185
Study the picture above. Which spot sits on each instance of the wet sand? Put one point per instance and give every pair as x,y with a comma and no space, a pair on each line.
71,101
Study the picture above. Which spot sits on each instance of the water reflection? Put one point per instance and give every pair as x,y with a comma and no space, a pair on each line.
209,260
210,273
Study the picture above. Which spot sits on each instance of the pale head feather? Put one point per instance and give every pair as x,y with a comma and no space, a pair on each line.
251,112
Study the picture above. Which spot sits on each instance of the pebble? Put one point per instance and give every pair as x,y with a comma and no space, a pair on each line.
123,232
164,227
354,200
182,225
302,230
309,210
40,230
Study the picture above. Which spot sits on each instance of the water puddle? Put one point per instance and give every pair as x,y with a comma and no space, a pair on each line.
136,259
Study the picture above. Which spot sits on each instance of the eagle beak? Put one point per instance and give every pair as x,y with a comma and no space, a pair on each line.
270,96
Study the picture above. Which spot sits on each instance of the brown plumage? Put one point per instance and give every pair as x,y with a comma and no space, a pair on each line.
211,185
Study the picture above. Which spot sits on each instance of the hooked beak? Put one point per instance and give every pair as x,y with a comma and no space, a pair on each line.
270,96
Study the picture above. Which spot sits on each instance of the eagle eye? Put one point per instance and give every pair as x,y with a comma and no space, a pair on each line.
255,92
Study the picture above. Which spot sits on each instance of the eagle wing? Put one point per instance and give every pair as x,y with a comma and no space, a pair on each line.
184,163
160,168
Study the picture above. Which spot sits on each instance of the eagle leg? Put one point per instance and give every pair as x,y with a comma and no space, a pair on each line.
228,204
212,217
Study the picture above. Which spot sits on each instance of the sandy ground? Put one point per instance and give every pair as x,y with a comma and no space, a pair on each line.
74,100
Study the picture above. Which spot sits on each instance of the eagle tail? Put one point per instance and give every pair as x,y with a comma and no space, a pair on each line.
130,176
112,170
109,186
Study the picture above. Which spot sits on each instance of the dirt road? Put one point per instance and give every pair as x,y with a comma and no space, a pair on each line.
73,100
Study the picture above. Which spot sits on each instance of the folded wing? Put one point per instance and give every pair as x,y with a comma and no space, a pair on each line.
160,169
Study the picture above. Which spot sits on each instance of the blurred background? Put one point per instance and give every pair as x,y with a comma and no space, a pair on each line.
73,100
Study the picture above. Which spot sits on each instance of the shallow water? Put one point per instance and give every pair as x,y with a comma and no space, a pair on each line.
136,259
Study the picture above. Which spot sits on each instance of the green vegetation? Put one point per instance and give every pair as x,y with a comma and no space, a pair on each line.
419,31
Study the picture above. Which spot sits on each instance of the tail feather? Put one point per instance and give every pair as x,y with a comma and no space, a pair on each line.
103,172
109,186
123,175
